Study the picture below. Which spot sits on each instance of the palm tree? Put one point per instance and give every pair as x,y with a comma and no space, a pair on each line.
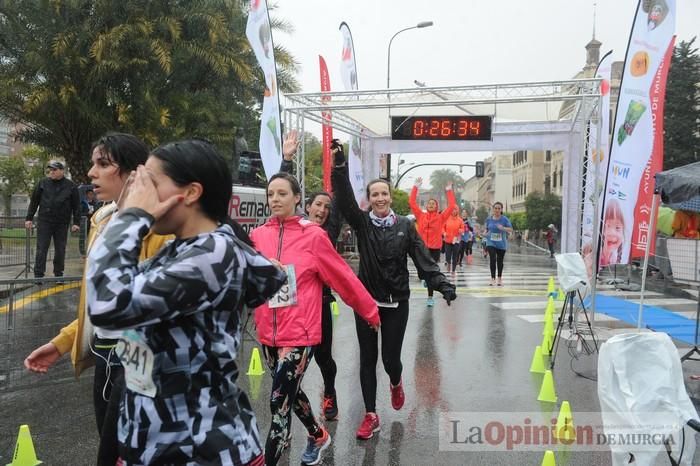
440,178
162,69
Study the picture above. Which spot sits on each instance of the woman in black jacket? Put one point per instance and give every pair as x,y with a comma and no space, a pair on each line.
384,241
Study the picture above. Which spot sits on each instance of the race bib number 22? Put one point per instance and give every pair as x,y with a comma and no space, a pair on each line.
287,295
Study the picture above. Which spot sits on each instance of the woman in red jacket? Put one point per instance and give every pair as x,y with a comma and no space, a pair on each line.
289,324
430,223
454,228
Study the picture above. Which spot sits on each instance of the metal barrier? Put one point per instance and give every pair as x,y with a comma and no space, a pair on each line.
32,312
18,245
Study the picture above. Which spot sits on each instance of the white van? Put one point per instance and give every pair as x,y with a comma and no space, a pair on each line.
248,207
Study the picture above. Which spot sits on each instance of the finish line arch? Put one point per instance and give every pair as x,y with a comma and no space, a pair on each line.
526,116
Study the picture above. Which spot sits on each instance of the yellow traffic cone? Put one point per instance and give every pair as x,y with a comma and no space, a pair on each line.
537,364
255,367
548,324
24,449
547,392
565,430
550,306
550,286
254,382
334,308
546,346
548,459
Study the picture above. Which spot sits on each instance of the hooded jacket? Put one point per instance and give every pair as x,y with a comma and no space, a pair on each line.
430,224
182,309
384,251
305,245
454,227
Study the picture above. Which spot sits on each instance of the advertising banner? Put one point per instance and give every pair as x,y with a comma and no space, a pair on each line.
348,73
259,36
636,152
327,129
598,148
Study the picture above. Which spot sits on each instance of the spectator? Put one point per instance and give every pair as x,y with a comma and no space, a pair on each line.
551,238
57,198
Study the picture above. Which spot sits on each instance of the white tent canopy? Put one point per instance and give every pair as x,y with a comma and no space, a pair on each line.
527,116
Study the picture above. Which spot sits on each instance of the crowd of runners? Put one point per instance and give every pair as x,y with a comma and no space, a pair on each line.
168,275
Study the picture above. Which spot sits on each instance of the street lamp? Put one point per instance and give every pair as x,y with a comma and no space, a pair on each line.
422,24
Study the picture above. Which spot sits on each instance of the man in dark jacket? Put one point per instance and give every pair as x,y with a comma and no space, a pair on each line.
56,198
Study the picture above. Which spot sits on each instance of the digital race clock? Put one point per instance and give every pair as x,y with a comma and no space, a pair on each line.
436,128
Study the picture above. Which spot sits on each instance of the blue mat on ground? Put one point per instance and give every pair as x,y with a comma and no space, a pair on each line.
654,318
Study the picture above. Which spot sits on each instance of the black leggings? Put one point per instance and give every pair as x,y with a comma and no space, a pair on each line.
451,253
496,259
324,353
393,327
435,254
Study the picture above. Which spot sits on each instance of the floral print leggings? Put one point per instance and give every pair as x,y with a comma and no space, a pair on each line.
287,366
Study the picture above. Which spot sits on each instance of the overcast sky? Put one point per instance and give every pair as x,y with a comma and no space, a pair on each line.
471,42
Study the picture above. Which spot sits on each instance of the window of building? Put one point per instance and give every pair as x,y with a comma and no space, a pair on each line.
554,178
561,177
548,156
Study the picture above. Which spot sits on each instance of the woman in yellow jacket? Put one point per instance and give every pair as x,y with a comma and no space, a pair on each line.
113,158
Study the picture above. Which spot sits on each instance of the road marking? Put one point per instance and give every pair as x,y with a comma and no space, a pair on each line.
37,295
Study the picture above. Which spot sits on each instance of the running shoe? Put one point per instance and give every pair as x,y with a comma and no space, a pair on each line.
430,302
370,425
330,407
397,396
499,282
493,282
314,447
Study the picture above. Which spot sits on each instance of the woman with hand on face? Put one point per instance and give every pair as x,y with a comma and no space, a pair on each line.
430,223
498,227
113,157
385,240
289,324
180,312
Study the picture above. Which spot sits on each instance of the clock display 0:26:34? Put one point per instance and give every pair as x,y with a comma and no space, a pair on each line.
451,128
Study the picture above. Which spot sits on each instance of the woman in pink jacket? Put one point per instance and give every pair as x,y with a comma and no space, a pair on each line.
289,324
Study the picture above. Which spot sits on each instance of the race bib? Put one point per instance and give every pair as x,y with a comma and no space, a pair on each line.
137,359
287,295
496,237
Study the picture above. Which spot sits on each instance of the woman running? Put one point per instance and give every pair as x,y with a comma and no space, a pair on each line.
113,157
385,240
289,325
430,223
179,312
319,210
454,227
467,240
497,229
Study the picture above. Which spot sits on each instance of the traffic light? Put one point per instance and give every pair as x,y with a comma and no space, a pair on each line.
479,169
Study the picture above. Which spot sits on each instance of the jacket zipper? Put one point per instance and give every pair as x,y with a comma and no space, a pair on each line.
274,310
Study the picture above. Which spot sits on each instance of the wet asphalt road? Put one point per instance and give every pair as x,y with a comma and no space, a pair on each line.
471,357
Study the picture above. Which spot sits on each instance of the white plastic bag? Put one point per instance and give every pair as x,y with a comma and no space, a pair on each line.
571,271
641,391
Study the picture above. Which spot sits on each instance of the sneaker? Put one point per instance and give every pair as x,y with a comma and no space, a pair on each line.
370,425
397,396
493,282
314,447
499,282
430,302
330,407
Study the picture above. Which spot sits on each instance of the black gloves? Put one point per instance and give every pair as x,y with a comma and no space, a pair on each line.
338,153
448,292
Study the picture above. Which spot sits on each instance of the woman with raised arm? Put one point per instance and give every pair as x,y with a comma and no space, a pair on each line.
430,223
180,312
385,240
